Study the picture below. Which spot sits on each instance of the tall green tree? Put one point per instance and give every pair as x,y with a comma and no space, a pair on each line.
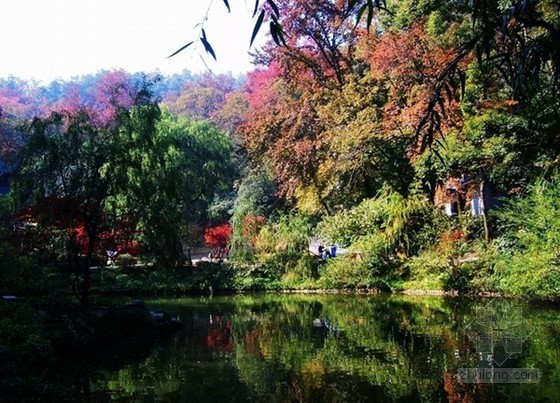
67,177
171,183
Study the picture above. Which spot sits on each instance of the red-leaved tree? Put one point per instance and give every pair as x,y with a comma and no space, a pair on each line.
218,236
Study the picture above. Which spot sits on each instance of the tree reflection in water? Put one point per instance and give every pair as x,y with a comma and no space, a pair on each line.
327,348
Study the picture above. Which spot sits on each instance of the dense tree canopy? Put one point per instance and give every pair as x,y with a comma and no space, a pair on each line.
118,170
171,182
68,174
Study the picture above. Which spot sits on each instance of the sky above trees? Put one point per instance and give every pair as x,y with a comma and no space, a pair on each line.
49,39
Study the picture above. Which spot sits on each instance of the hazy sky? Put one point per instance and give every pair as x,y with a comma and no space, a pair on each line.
48,39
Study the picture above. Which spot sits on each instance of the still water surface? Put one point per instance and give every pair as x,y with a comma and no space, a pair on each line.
340,348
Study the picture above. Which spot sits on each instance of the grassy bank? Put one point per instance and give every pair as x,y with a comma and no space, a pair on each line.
423,275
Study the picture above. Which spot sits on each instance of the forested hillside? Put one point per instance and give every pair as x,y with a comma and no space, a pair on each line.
424,138
420,138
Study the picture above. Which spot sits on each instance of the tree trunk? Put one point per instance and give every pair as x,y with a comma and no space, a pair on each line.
84,302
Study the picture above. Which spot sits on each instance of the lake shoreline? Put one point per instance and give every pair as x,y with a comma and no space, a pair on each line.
214,278
414,292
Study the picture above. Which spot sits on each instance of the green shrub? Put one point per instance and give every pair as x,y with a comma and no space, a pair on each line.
125,260
303,272
529,264
380,233
427,271
280,250
458,278
346,273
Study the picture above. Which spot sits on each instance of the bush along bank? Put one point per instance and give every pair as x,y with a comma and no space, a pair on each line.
395,243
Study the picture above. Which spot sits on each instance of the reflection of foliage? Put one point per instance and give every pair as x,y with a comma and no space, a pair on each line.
499,330
366,348
25,350
318,358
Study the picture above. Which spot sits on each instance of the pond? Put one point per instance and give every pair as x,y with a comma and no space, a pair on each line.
341,348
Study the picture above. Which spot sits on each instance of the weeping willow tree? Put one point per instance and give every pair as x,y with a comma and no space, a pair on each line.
67,177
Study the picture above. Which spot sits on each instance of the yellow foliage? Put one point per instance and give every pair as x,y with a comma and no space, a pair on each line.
308,200
313,372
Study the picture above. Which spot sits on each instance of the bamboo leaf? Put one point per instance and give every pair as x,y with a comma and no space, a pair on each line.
381,4
257,27
463,78
449,91
226,2
207,45
274,8
441,103
281,34
363,8
180,49
277,33
256,8
351,4
274,33
370,14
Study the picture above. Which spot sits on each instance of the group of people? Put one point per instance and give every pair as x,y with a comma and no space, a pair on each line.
326,253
